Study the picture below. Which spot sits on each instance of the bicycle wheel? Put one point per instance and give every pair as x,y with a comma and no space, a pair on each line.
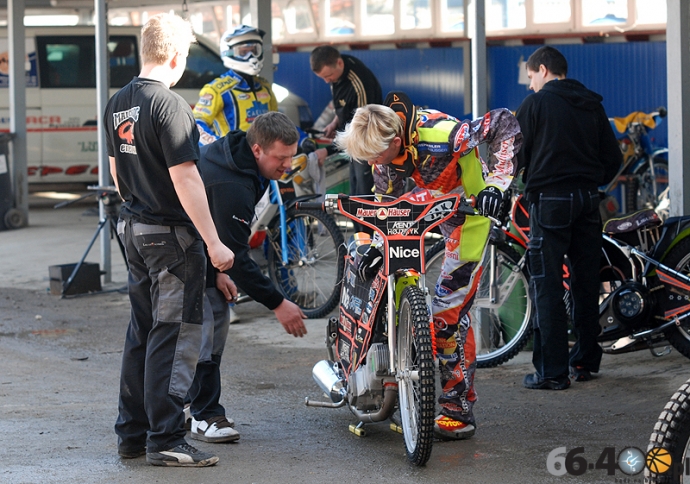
679,259
672,433
502,324
652,184
311,279
415,366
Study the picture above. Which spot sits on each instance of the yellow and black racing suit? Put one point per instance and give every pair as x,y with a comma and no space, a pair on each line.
231,102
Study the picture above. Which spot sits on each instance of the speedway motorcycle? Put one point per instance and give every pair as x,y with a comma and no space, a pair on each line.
381,346
644,171
644,287
668,451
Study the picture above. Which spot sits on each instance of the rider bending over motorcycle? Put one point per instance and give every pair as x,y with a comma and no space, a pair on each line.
440,153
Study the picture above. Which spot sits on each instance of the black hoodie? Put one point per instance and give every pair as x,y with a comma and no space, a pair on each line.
234,186
568,142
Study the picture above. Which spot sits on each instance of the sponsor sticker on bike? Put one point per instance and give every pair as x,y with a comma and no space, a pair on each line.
439,211
383,213
402,253
403,228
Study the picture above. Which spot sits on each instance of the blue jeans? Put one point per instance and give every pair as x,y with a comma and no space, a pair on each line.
167,274
565,223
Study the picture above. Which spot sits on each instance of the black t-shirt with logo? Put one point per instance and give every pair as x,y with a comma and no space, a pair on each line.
149,129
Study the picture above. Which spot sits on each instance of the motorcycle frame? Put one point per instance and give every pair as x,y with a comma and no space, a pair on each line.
440,208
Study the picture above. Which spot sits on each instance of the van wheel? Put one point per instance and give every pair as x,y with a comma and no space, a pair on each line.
15,219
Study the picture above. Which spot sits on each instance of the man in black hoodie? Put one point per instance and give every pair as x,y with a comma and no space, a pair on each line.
236,170
568,151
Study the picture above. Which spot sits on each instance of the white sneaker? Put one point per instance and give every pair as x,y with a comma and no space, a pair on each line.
234,317
214,429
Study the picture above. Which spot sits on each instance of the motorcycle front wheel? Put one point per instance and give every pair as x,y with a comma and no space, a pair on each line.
311,279
415,366
501,327
672,434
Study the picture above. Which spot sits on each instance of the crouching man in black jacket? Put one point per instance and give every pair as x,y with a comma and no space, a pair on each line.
236,170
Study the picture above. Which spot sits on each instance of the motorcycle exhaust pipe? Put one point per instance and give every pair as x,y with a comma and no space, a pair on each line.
328,380
390,397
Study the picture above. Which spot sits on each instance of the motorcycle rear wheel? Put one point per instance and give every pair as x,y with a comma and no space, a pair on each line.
416,384
500,332
679,259
314,272
672,432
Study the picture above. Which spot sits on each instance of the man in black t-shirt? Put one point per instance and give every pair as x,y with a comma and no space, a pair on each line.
353,85
152,145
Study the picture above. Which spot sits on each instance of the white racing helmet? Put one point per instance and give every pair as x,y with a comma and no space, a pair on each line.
242,49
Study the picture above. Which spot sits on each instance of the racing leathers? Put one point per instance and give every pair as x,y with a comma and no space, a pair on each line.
231,102
441,156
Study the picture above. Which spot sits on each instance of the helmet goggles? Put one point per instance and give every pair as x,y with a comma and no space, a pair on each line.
244,50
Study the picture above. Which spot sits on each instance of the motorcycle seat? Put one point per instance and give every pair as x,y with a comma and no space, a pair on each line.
633,221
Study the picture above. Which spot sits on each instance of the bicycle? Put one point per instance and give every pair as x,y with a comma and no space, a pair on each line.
502,311
304,249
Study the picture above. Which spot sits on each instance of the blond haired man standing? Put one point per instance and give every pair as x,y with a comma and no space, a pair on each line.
152,144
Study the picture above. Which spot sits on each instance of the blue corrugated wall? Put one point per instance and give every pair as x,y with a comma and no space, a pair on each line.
432,77
631,76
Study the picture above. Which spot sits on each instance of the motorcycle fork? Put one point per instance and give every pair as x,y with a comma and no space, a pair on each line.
395,289
392,320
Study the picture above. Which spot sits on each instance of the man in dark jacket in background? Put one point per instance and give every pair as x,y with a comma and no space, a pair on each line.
236,170
353,85
568,151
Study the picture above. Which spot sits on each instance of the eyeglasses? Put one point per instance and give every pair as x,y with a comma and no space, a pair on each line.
245,50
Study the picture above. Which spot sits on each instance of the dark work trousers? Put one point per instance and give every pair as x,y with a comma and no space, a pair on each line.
205,391
361,183
167,274
565,223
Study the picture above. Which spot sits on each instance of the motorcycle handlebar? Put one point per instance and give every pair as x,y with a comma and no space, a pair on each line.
309,206
466,205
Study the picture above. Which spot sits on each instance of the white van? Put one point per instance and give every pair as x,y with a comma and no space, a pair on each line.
61,111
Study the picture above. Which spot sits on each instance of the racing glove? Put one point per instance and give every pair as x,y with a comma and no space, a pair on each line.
370,263
489,202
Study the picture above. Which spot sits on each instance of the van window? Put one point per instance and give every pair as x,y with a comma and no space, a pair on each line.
67,61
203,66
123,60
70,61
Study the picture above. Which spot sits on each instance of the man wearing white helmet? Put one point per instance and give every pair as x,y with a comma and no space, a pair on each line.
233,100
236,98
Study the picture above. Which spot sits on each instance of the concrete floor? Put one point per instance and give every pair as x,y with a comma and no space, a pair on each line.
59,381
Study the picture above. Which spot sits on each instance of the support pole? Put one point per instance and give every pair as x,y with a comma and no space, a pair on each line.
17,91
102,87
678,90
